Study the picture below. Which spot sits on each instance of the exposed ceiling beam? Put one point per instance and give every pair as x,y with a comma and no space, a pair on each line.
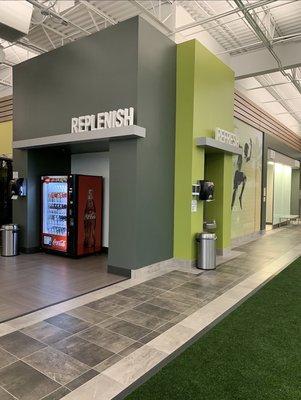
64,20
267,43
5,83
202,21
277,101
258,44
49,28
237,18
48,37
99,12
261,62
25,43
225,29
152,16
263,86
93,20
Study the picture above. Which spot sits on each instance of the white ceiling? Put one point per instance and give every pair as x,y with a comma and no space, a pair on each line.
219,24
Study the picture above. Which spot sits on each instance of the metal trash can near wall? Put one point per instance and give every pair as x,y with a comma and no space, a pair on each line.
206,243
10,240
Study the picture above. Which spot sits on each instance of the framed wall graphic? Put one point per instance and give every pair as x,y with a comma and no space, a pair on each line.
246,189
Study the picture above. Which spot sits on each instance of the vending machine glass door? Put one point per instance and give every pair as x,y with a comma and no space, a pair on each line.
54,212
89,214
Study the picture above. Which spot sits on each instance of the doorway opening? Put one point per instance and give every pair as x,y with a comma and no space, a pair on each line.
283,182
36,281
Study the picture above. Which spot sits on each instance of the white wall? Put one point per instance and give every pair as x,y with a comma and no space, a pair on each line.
282,192
95,164
270,193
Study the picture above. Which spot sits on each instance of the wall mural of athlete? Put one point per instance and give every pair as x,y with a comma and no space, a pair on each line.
239,176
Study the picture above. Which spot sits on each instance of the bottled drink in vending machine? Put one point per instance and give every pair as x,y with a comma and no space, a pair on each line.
90,221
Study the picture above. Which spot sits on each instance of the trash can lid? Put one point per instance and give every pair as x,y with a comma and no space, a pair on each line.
205,235
10,227
210,224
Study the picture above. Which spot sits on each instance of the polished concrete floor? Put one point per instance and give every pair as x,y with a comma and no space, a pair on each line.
57,355
31,282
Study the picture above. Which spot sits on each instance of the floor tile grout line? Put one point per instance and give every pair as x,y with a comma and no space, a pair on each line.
36,369
86,320
7,365
91,368
9,392
128,337
2,348
77,334
49,394
107,330
21,359
40,340
43,373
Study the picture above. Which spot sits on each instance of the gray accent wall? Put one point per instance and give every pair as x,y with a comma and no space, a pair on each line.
96,73
129,64
156,112
149,217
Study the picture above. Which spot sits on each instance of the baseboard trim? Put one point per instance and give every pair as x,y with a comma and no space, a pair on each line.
148,270
145,271
119,271
241,240
223,252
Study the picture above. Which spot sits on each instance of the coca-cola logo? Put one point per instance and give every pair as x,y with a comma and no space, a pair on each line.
59,243
91,215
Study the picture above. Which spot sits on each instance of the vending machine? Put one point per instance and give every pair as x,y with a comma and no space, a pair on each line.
72,214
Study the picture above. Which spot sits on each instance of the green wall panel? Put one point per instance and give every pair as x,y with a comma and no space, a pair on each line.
205,98
218,168
183,150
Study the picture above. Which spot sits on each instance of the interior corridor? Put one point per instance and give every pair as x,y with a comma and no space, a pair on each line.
76,343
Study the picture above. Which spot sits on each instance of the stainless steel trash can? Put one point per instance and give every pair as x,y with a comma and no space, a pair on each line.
10,240
206,243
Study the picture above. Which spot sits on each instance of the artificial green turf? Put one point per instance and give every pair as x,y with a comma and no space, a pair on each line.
254,353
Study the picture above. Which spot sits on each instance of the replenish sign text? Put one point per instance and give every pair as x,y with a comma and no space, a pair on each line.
103,120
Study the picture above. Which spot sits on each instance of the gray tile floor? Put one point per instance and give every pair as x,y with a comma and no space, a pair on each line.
51,358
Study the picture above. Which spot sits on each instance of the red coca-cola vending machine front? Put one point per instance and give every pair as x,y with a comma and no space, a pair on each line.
72,214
